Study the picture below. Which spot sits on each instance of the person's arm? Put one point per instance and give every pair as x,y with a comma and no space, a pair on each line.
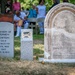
37,10
15,21
27,13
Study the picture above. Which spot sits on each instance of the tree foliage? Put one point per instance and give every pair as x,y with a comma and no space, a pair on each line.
48,3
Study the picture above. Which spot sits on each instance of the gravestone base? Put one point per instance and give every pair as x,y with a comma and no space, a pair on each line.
27,50
57,60
60,60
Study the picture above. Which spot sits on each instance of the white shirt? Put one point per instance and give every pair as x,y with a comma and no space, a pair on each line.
41,11
22,15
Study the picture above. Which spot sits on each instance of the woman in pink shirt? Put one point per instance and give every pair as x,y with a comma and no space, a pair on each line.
16,5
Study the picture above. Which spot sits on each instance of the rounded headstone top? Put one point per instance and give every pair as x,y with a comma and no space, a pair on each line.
61,16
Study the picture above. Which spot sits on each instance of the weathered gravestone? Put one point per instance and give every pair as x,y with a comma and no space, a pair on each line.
60,34
6,39
26,44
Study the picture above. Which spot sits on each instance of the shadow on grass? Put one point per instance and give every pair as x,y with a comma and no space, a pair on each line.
62,65
17,44
17,54
36,52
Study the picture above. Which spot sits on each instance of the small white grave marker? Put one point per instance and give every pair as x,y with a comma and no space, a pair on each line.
26,44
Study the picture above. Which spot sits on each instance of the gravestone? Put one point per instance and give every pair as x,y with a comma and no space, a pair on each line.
60,34
26,44
6,39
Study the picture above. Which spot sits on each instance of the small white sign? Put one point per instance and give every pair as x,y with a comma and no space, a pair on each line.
26,44
26,35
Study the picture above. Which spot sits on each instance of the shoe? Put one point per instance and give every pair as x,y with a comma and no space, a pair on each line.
41,33
16,36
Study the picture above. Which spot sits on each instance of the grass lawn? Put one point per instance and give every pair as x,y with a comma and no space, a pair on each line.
16,66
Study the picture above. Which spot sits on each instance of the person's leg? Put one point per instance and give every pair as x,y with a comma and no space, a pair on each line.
18,31
26,25
41,27
15,29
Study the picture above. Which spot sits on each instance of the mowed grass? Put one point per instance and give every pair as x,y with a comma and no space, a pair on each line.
38,46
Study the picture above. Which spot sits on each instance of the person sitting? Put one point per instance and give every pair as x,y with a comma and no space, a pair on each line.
32,14
19,20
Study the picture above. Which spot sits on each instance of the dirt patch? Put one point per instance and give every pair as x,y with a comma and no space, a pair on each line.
38,42
35,68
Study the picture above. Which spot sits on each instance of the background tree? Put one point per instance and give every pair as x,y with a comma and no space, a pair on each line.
48,3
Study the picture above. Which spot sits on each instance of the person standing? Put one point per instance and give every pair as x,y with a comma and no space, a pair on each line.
16,6
55,2
41,13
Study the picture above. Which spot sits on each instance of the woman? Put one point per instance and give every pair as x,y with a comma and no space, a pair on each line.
16,6
41,13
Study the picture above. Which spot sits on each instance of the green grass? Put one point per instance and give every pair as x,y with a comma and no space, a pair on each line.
17,42
35,37
37,51
38,37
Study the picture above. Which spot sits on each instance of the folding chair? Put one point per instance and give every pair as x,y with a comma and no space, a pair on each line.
32,25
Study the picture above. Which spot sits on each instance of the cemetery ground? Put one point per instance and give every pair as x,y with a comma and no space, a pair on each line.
16,66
